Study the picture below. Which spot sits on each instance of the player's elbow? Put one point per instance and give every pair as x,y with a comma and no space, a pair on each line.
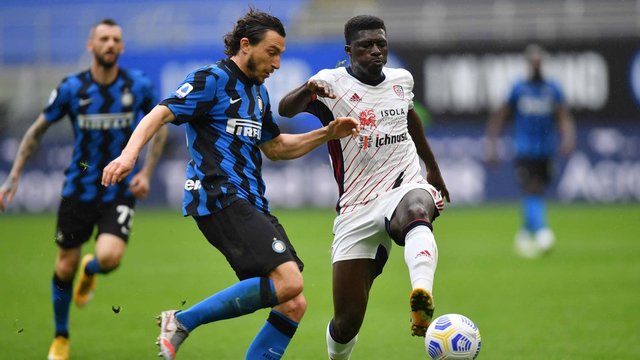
286,111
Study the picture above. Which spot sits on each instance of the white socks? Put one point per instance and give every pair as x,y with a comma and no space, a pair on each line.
339,351
421,256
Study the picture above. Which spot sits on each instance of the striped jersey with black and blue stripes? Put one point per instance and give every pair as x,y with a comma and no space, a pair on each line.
103,118
227,117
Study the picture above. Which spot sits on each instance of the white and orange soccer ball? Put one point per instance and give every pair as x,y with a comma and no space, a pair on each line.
452,337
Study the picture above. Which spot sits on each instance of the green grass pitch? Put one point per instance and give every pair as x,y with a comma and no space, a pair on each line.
581,302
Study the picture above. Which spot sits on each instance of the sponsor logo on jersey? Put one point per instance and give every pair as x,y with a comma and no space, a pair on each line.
105,121
392,112
399,91
367,118
244,127
85,102
355,98
190,185
184,90
370,141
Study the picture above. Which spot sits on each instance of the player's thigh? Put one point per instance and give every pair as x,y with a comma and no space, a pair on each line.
533,175
75,224
116,218
361,234
409,203
352,281
248,239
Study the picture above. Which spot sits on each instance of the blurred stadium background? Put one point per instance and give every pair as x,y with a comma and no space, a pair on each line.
463,55
580,303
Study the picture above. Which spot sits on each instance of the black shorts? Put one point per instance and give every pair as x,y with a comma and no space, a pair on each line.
529,171
254,243
77,219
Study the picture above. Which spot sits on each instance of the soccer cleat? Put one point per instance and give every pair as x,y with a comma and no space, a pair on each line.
525,246
59,349
172,334
422,309
544,239
83,292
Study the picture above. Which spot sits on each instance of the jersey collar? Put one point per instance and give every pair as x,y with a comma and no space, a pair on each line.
236,70
368,82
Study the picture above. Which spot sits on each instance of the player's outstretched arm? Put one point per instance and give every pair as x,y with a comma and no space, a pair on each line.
28,145
292,146
494,128
120,167
567,128
140,182
434,176
296,100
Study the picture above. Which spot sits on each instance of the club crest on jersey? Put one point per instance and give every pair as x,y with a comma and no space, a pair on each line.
260,104
278,246
184,90
399,91
367,118
127,97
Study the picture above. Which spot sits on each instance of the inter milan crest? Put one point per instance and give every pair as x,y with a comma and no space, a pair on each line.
399,91
127,98
260,104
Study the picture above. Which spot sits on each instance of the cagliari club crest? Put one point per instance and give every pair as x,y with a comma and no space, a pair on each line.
399,91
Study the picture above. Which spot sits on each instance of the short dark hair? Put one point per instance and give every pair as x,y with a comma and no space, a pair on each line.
105,21
361,22
253,26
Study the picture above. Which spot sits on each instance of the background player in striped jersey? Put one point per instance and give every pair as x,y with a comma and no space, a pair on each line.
539,106
229,122
382,191
103,104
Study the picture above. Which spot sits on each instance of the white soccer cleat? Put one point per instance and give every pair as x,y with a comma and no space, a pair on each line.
172,334
545,239
525,246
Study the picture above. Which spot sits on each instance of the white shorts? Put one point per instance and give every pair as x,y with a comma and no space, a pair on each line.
358,234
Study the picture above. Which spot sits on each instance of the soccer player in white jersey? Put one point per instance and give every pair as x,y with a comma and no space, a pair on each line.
382,192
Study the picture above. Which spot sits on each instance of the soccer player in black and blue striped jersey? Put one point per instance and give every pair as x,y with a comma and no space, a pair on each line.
104,105
539,108
226,109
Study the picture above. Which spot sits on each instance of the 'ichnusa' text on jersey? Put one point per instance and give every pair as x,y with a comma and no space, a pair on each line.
383,156
227,116
103,119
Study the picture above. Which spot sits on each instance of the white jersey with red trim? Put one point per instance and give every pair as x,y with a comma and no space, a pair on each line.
384,156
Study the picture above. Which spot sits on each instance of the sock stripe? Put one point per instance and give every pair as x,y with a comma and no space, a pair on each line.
410,226
268,296
285,325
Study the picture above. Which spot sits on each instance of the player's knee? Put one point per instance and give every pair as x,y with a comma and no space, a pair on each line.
109,262
295,308
287,281
346,327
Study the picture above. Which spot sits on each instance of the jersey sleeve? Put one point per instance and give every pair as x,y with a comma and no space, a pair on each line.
270,127
558,95
320,107
59,102
194,98
410,84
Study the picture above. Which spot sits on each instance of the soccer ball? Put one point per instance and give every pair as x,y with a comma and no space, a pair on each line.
452,336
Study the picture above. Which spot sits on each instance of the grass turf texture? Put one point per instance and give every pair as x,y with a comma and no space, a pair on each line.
579,303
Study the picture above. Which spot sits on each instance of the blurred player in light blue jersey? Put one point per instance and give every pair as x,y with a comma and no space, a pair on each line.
539,106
